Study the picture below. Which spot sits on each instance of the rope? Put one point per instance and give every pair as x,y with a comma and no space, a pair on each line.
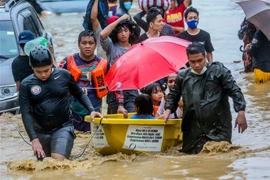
23,138
76,157
102,87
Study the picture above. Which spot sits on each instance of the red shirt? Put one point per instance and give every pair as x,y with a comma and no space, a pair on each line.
175,17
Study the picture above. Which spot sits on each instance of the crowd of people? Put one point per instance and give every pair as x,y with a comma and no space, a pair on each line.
198,93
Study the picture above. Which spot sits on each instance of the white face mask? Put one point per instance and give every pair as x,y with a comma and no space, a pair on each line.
203,71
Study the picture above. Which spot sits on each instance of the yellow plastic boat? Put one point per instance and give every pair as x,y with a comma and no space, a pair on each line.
128,136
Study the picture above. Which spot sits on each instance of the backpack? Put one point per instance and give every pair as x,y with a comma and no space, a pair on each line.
103,9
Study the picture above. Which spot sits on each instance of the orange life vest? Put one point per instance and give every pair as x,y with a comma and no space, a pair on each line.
98,74
73,68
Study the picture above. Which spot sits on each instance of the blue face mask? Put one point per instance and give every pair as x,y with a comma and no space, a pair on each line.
192,24
127,5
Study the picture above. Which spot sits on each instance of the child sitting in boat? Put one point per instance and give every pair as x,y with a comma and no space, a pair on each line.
161,110
154,90
143,107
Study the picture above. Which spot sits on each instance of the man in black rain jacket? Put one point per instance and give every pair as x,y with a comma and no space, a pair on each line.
205,88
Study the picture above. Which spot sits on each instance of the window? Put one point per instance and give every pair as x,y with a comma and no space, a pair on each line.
8,45
28,22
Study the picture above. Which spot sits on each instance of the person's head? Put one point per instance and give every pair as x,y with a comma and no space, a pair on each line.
196,56
125,5
87,44
41,61
192,17
154,91
154,19
24,37
174,4
125,31
171,80
143,104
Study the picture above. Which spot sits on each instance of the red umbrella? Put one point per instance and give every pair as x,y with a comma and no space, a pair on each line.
147,62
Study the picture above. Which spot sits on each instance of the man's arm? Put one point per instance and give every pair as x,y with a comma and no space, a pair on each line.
120,100
209,57
138,18
18,83
174,96
230,86
15,76
107,31
187,3
93,16
28,121
209,48
25,108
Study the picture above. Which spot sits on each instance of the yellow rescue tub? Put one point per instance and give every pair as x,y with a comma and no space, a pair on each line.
128,136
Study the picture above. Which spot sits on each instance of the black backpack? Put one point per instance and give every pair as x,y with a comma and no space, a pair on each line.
103,9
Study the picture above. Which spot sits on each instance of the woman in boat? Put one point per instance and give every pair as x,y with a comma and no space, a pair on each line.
144,107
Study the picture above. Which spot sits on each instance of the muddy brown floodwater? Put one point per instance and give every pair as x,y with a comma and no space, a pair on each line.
247,158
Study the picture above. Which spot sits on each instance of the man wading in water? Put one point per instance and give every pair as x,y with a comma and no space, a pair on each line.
44,102
205,88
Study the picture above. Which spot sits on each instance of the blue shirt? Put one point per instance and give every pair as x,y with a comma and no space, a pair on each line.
136,116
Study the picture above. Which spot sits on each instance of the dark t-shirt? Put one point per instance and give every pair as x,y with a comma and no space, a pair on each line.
202,37
167,29
21,68
144,37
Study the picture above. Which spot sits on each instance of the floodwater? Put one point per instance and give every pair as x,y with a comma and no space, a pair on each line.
247,158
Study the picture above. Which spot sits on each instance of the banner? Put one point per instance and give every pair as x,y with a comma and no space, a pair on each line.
144,138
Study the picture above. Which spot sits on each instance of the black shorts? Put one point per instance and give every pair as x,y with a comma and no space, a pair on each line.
59,141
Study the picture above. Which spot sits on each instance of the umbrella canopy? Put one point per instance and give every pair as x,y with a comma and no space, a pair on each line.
147,62
258,13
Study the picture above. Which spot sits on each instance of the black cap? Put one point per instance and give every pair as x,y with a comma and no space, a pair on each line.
40,56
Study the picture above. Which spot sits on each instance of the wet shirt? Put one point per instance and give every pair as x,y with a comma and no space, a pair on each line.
202,37
99,49
45,104
21,68
206,106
